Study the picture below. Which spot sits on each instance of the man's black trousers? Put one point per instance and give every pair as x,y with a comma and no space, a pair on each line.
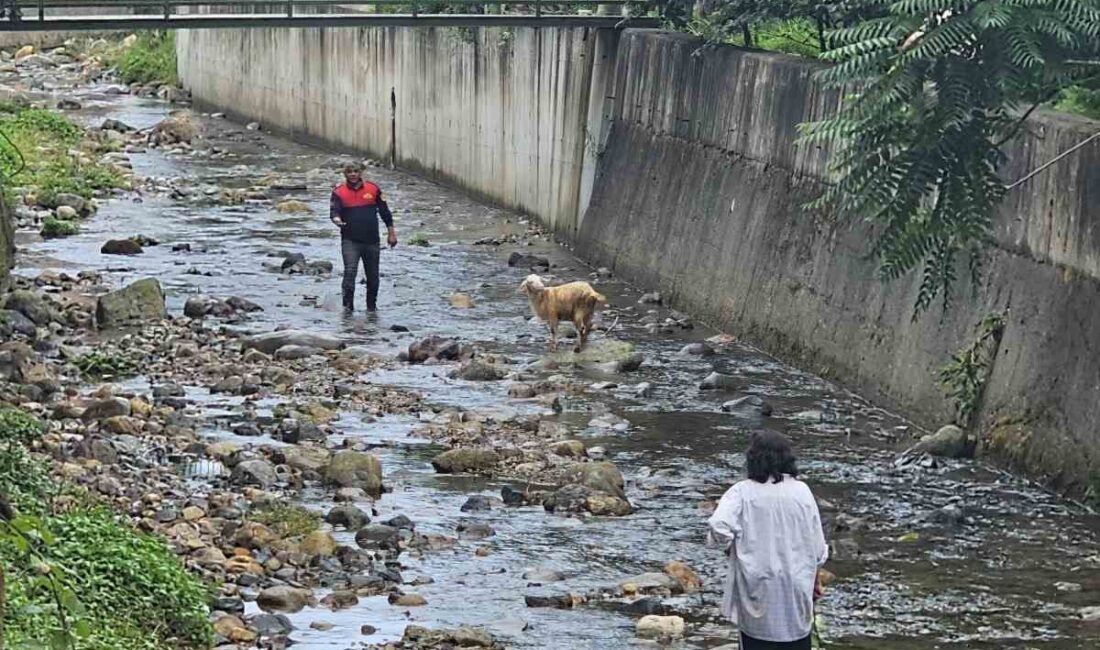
353,252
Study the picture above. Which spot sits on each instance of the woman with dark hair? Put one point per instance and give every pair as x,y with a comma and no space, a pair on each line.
772,531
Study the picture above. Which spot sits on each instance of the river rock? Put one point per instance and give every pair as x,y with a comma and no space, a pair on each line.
111,124
532,262
141,301
949,442
106,408
16,322
122,425
66,213
348,516
554,601
459,461
376,536
477,503
293,206
254,472
684,575
242,304
568,448
270,342
29,304
121,247
697,349
271,624
283,599
433,347
292,352
660,627
177,128
198,306
307,459
602,477
1090,613
461,301
355,469
477,370
407,600
474,530
317,544
719,381
749,405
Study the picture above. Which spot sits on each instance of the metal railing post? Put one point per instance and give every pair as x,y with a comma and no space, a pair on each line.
41,10
414,9
290,9
538,8
167,11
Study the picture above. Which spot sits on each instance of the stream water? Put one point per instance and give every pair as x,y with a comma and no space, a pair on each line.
992,579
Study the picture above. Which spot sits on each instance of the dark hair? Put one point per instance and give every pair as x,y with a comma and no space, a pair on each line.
769,457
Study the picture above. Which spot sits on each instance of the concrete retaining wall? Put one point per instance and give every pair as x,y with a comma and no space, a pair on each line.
700,194
680,172
499,112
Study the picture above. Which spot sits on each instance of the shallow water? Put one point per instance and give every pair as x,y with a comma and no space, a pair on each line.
986,583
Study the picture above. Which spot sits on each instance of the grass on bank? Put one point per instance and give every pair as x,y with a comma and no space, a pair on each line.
80,577
45,153
149,59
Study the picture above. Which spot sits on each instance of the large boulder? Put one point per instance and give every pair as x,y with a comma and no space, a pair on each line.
348,516
106,408
950,442
434,347
602,477
254,472
121,247
307,459
458,461
477,370
30,304
660,627
355,469
283,599
270,342
141,301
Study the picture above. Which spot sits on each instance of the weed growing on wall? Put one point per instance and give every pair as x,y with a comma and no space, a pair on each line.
964,375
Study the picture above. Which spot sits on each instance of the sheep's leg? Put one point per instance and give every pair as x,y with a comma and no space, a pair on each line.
581,322
553,323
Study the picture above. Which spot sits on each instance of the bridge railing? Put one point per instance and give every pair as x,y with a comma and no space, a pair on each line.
30,9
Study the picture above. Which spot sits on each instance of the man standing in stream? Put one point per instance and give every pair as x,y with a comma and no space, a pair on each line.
354,207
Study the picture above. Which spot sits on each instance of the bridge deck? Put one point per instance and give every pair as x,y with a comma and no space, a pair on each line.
68,15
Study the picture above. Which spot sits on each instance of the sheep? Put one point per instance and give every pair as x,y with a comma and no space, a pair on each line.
575,301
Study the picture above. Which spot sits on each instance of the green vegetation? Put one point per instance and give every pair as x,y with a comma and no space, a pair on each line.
37,152
964,376
418,239
150,59
935,90
96,365
286,520
53,228
83,579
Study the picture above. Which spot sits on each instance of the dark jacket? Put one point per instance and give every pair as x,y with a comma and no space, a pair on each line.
360,207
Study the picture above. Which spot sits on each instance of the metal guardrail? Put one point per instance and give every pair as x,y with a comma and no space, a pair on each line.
31,15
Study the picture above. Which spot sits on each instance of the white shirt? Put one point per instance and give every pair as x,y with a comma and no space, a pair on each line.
777,546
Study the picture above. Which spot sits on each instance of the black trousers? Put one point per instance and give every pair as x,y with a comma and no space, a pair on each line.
353,252
749,643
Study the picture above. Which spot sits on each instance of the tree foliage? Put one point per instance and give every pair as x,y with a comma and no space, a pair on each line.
938,87
933,90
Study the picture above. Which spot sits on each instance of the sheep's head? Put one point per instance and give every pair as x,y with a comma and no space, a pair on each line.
531,284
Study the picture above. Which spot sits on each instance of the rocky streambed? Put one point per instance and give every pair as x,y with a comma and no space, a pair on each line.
429,476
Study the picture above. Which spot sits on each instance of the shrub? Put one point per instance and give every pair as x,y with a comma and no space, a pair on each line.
97,364
118,588
151,58
18,426
53,228
287,520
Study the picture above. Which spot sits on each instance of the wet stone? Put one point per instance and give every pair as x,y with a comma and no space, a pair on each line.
477,503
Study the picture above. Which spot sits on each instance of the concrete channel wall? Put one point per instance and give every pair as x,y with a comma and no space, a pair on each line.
678,169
